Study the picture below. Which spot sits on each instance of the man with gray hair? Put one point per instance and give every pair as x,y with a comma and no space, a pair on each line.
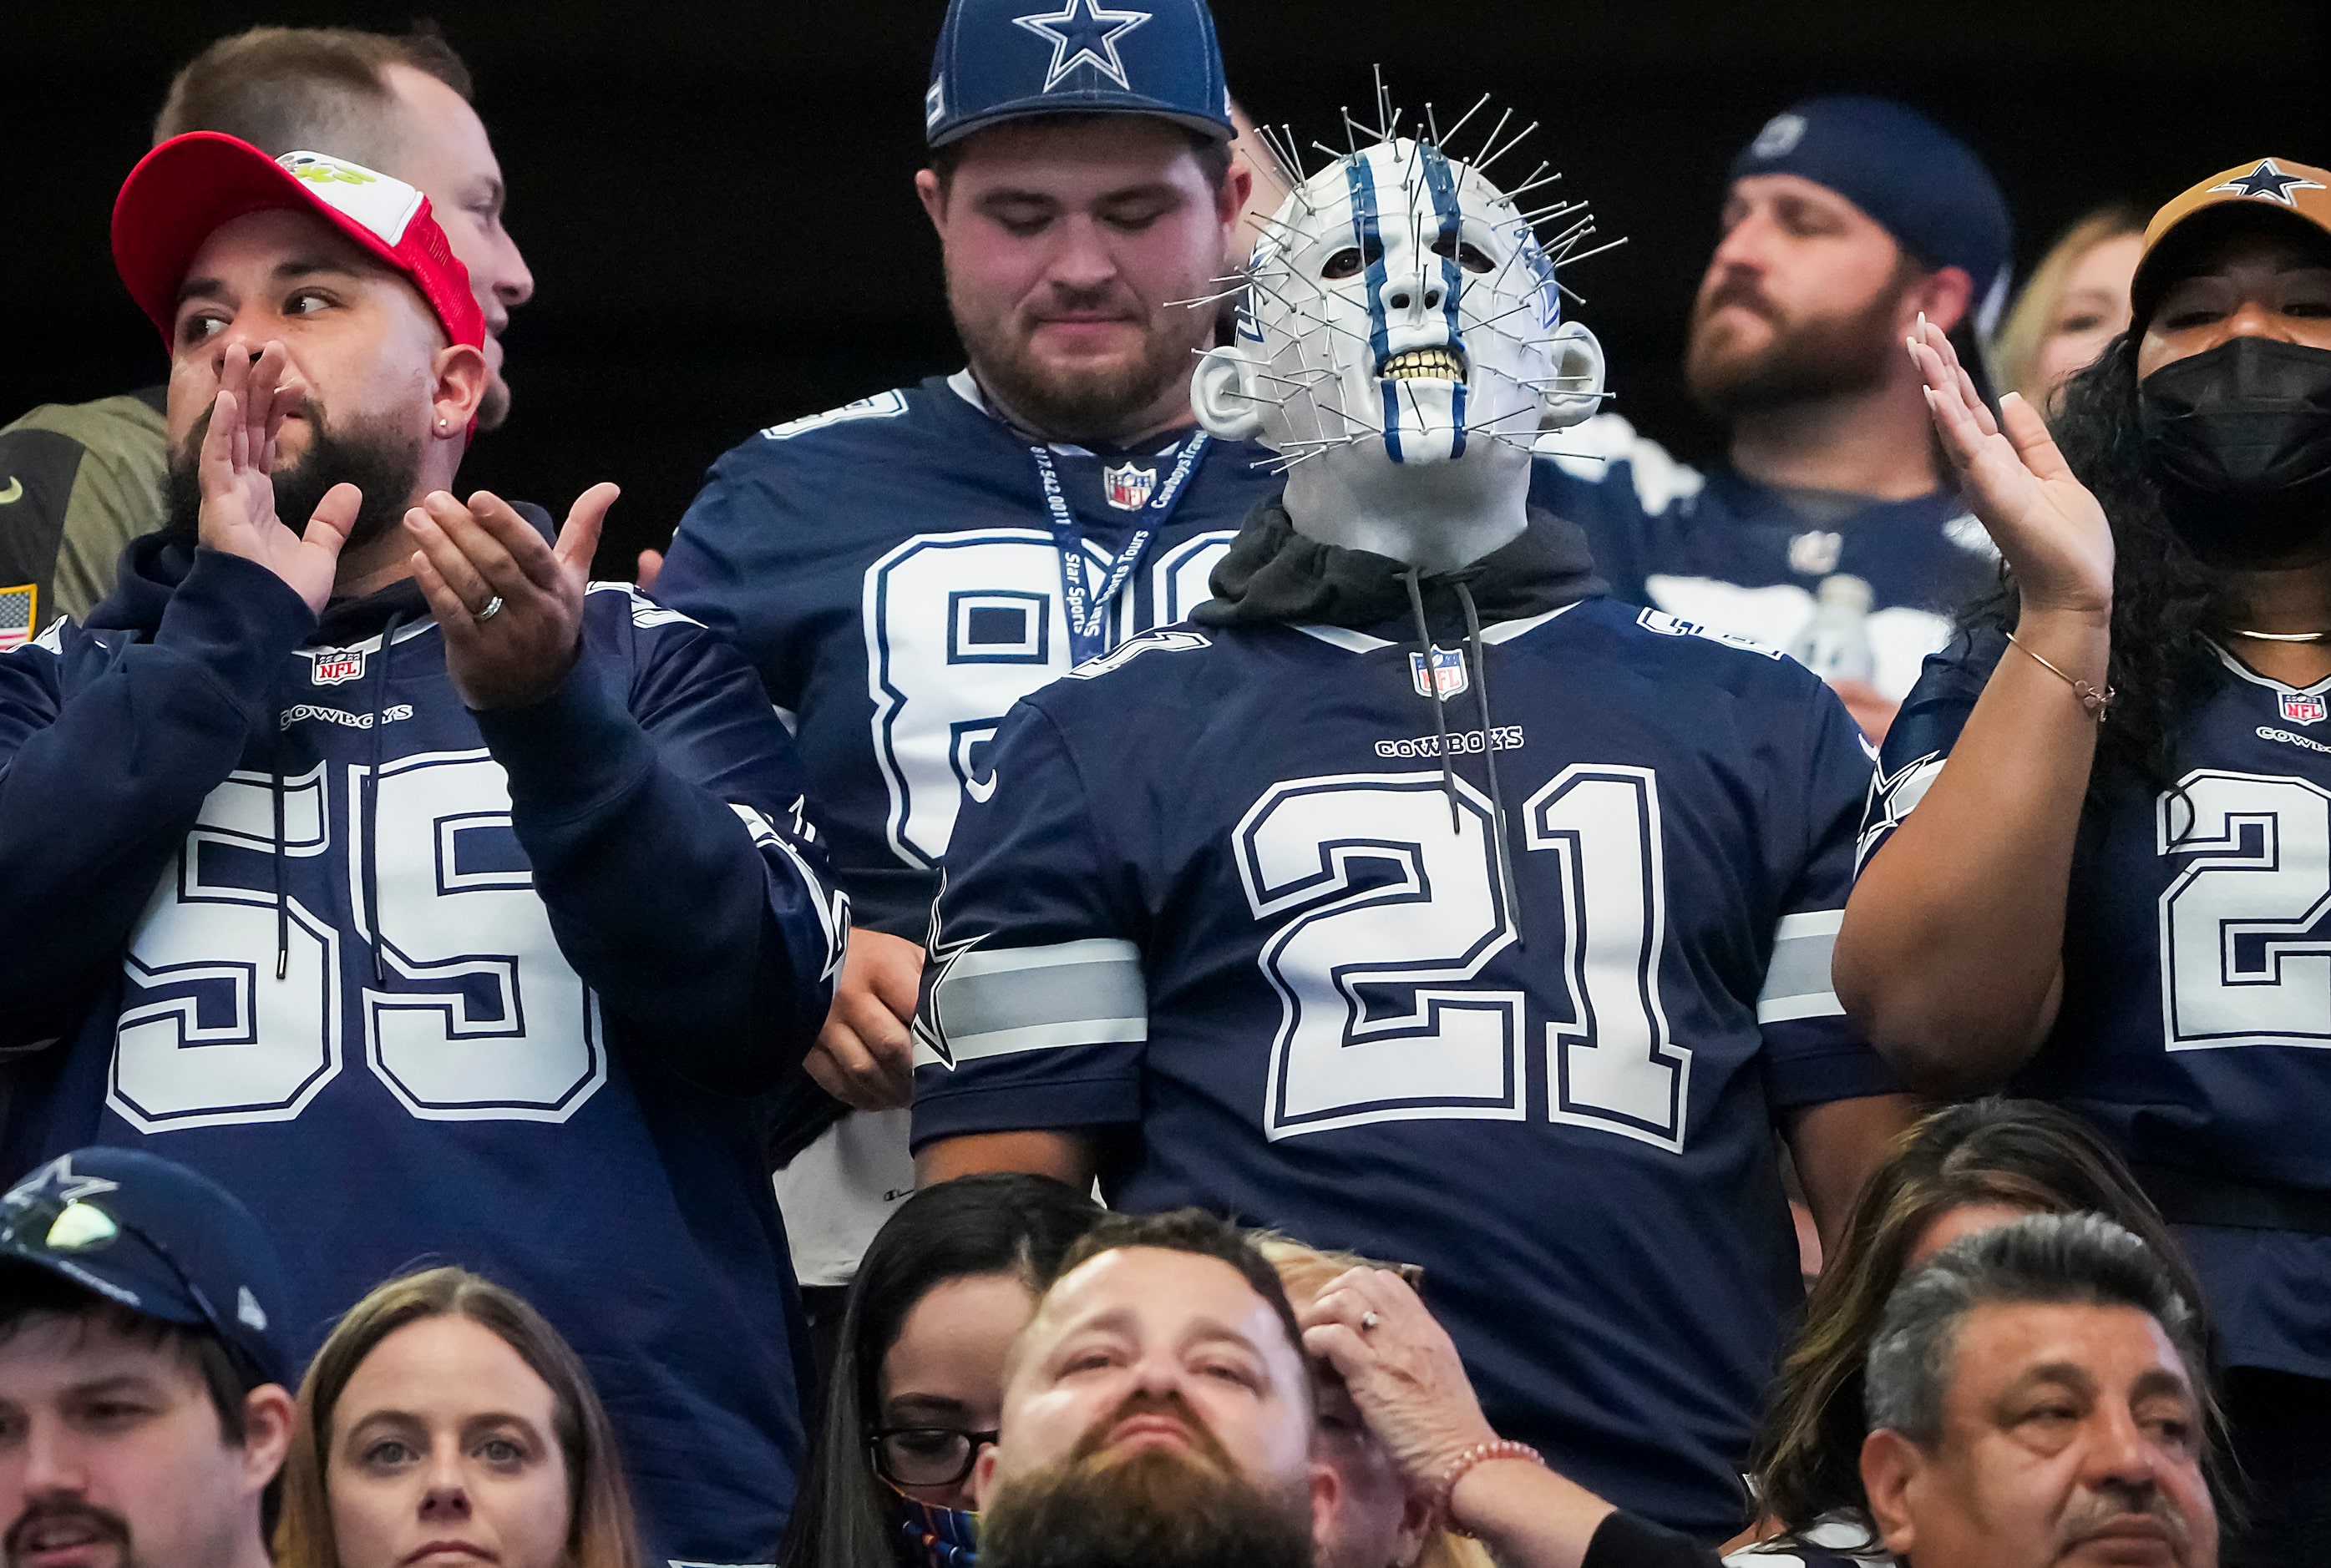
2035,1399
2036,1395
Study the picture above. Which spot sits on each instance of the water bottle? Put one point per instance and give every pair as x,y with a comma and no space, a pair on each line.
1835,644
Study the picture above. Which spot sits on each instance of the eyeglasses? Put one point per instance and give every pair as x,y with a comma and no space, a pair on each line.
926,1456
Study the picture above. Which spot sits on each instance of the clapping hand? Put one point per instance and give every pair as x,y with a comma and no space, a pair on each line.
510,605
2045,522
235,469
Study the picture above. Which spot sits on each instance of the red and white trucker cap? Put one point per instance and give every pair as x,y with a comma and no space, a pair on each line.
190,186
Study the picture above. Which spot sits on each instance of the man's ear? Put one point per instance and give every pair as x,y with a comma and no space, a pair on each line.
1230,199
933,195
1417,1521
269,1416
1890,1468
1326,1496
1947,294
1222,397
1575,358
457,379
983,1479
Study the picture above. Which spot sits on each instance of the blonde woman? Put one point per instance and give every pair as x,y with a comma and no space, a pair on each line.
2076,302
1379,1521
445,1422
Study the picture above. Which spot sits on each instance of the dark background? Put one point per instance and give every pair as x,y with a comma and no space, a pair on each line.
716,202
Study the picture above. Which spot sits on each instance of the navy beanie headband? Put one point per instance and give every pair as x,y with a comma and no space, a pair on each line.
1923,184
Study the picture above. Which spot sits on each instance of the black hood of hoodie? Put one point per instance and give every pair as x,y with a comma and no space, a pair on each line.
152,565
1271,574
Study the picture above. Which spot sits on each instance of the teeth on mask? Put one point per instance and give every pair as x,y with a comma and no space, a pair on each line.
1438,364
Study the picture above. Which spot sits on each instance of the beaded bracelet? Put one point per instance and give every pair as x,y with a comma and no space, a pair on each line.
1502,1449
2095,703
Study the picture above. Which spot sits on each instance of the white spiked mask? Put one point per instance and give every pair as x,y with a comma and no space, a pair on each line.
1400,310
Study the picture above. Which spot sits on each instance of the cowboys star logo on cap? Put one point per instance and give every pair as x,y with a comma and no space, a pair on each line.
1000,59
1082,33
2271,183
1781,133
59,1181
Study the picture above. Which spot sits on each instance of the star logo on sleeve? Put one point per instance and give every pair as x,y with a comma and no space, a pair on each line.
2269,183
939,958
1081,34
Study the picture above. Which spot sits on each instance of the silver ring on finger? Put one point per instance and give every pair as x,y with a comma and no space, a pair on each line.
493,608
1368,1320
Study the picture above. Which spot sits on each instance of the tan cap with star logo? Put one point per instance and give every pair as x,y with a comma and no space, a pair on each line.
2295,190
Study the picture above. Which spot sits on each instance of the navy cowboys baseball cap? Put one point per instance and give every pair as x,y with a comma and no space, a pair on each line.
1000,59
157,1237
1921,183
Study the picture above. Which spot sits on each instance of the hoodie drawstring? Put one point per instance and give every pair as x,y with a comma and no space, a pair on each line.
1490,756
282,898
371,796
1432,695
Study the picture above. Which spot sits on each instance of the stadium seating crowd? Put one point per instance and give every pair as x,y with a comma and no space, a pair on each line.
1248,933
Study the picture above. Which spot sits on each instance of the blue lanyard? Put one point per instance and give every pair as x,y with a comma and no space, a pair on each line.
1088,611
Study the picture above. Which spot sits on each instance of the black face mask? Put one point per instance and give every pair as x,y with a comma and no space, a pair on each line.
2240,439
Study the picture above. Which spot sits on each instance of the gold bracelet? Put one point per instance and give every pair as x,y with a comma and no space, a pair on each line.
2094,702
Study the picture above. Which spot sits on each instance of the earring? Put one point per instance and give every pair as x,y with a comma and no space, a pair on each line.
441,424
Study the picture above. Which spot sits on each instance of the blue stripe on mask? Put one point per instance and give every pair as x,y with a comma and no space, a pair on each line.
1367,233
1441,182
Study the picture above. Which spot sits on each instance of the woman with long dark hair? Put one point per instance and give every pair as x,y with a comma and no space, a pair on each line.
1958,1170
917,1381
2116,883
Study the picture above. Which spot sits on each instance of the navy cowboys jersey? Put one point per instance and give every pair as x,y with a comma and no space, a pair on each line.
1728,553
423,985
1217,909
2195,1030
889,568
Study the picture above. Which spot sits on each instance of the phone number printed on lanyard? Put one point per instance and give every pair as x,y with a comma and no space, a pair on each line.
1087,612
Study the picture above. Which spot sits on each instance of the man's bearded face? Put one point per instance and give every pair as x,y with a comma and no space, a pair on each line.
1071,243
376,455
1145,1505
1101,398
1749,351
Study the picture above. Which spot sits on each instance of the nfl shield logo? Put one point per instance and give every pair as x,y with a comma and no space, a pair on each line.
2302,708
1128,486
1447,675
340,664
